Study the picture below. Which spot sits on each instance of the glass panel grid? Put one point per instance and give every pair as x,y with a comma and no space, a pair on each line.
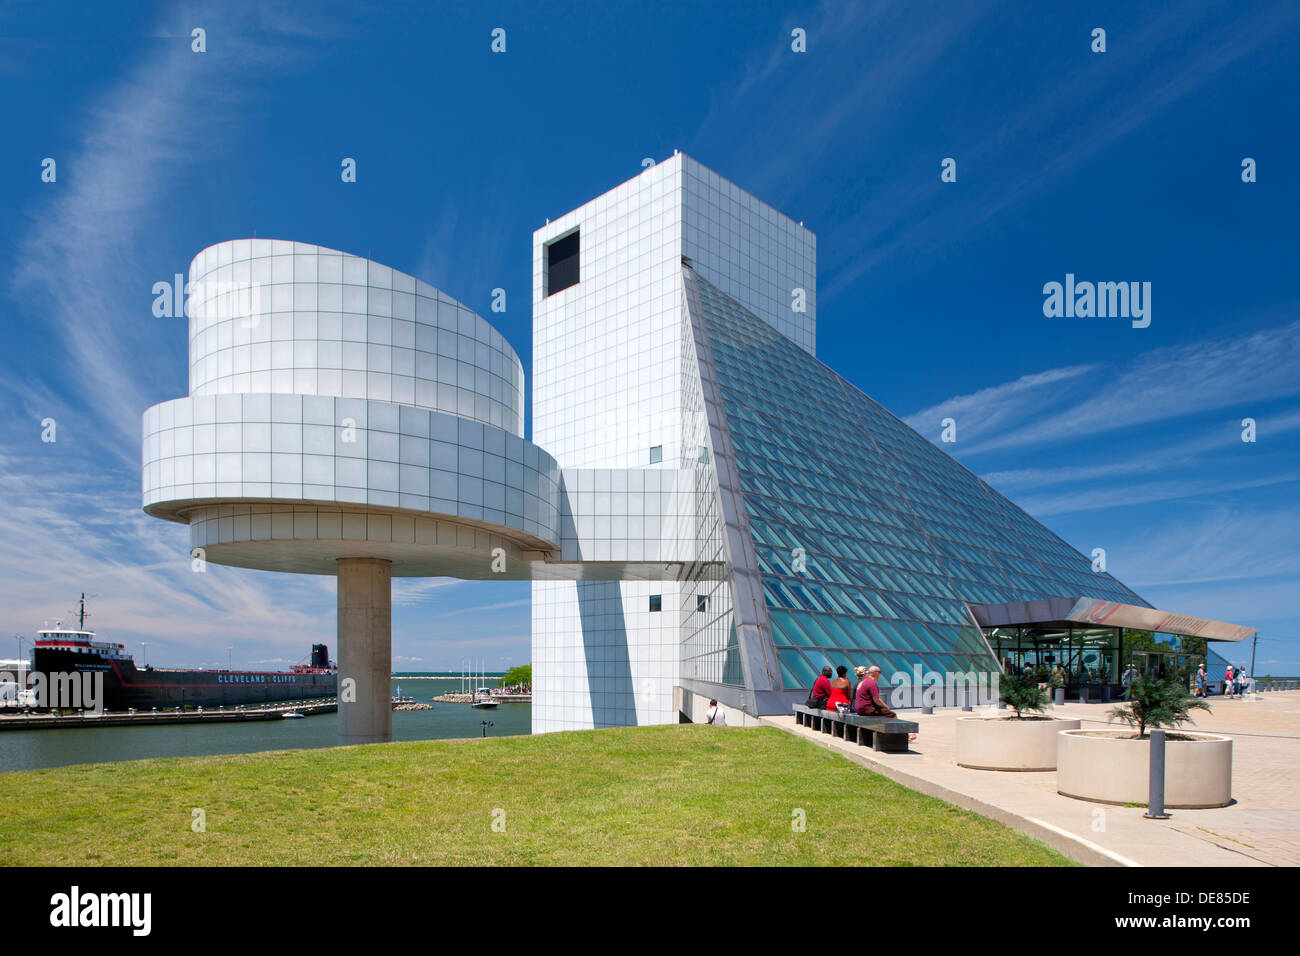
891,536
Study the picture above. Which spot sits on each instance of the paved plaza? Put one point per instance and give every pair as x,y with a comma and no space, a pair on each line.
1260,828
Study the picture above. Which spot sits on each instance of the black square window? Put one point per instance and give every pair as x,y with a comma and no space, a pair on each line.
656,454
701,603
656,602
562,263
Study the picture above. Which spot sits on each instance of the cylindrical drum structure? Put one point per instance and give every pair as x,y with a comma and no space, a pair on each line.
345,419
338,408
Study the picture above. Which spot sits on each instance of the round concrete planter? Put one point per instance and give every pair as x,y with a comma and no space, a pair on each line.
999,743
1104,769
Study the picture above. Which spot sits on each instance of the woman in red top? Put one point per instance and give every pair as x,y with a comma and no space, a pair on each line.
840,688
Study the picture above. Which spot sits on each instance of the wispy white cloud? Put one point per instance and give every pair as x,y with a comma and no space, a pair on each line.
499,606
1094,499
1155,458
997,407
1240,543
79,264
72,518
412,591
1174,382
80,530
1060,405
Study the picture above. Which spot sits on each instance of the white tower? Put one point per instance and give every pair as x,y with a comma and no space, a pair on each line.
608,393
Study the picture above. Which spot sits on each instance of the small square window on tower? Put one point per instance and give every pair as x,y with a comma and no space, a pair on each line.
701,603
656,454
656,602
562,263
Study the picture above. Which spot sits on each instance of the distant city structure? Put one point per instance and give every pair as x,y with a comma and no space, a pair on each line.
708,512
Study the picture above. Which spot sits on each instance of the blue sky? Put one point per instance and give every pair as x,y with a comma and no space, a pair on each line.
1115,166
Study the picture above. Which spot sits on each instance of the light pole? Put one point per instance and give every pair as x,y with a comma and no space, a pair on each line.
145,645
229,652
23,675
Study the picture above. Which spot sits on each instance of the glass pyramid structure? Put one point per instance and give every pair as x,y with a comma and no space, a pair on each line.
847,537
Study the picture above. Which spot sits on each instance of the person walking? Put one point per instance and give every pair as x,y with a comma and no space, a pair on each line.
1201,680
715,715
1227,681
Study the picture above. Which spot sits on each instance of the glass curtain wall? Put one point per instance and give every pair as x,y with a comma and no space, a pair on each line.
869,539
1088,655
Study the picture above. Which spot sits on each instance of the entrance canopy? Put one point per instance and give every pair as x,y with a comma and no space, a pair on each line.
1086,610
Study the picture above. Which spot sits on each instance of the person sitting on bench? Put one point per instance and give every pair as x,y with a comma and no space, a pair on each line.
840,689
868,702
821,689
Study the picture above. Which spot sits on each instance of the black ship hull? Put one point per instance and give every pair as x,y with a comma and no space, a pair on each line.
126,686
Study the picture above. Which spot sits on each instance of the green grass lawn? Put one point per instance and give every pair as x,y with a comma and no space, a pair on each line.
653,795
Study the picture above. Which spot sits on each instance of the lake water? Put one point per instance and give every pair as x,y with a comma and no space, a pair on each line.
33,749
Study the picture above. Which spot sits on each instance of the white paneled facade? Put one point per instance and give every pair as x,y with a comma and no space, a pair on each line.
315,448
269,315
751,252
608,394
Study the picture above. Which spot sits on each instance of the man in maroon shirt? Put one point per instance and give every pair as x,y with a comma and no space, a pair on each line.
867,702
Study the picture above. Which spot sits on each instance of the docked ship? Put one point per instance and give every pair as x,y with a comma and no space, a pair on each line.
66,650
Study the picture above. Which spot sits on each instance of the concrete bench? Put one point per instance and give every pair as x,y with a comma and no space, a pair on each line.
886,734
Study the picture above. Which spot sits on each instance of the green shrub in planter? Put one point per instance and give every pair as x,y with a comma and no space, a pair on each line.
1153,702
1021,694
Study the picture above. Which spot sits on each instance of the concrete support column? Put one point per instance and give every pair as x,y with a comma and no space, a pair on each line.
365,650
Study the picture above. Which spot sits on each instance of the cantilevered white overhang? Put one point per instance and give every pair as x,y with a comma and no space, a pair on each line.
1086,610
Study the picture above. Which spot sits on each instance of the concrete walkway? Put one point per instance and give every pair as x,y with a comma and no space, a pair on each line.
1260,828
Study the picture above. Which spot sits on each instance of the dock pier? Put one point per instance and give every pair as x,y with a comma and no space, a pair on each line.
38,721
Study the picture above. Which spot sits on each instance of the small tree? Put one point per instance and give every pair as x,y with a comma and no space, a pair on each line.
1157,703
1021,694
523,674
